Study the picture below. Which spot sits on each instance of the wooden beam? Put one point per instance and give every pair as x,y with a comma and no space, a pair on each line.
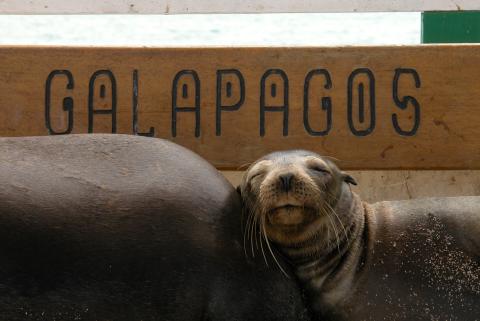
232,6
370,107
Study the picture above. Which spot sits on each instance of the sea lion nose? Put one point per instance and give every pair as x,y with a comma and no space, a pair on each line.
286,181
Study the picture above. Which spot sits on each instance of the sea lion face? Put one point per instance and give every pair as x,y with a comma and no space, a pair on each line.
287,193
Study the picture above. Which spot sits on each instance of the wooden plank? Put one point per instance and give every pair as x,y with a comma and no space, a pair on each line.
438,86
231,6
376,186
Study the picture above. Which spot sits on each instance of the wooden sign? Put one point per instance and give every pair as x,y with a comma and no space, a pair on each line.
369,107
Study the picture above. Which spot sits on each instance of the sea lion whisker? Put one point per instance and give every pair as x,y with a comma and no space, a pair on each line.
329,238
334,229
247,213
249,232
340,221
337,238
243,226
246,228
260,231
271,251
250,223
334,225
256,232
325,227
255,226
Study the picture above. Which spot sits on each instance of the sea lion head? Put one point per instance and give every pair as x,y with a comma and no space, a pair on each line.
290,195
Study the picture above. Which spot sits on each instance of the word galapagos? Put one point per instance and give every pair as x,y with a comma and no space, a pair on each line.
360,91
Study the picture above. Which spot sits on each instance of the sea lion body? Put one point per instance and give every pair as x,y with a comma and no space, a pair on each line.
403,260
414,260
114,227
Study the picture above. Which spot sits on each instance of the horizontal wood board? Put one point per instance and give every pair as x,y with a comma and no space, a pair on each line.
426,100
231,6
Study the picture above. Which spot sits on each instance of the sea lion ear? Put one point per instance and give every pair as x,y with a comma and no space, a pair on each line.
349,179
239,190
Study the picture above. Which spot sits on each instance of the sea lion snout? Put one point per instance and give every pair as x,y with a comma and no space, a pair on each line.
285,188
286,181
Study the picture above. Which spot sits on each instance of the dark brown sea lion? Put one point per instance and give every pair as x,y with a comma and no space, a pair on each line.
104,227
403,260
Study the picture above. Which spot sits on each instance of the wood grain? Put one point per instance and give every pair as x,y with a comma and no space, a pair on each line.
447,96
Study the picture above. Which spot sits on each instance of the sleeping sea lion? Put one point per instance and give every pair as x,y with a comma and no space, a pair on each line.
401,260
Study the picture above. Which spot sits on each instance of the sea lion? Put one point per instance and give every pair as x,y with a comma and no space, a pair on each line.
402,260
115,227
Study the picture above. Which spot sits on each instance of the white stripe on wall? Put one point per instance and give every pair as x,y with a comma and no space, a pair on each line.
227,6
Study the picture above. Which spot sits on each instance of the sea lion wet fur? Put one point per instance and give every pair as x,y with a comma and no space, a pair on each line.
401,260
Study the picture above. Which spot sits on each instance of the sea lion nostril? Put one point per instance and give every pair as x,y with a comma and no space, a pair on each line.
286,181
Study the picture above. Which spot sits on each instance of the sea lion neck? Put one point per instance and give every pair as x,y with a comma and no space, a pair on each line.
329,274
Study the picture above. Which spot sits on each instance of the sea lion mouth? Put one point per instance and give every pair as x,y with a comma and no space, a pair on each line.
289,207
289,214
